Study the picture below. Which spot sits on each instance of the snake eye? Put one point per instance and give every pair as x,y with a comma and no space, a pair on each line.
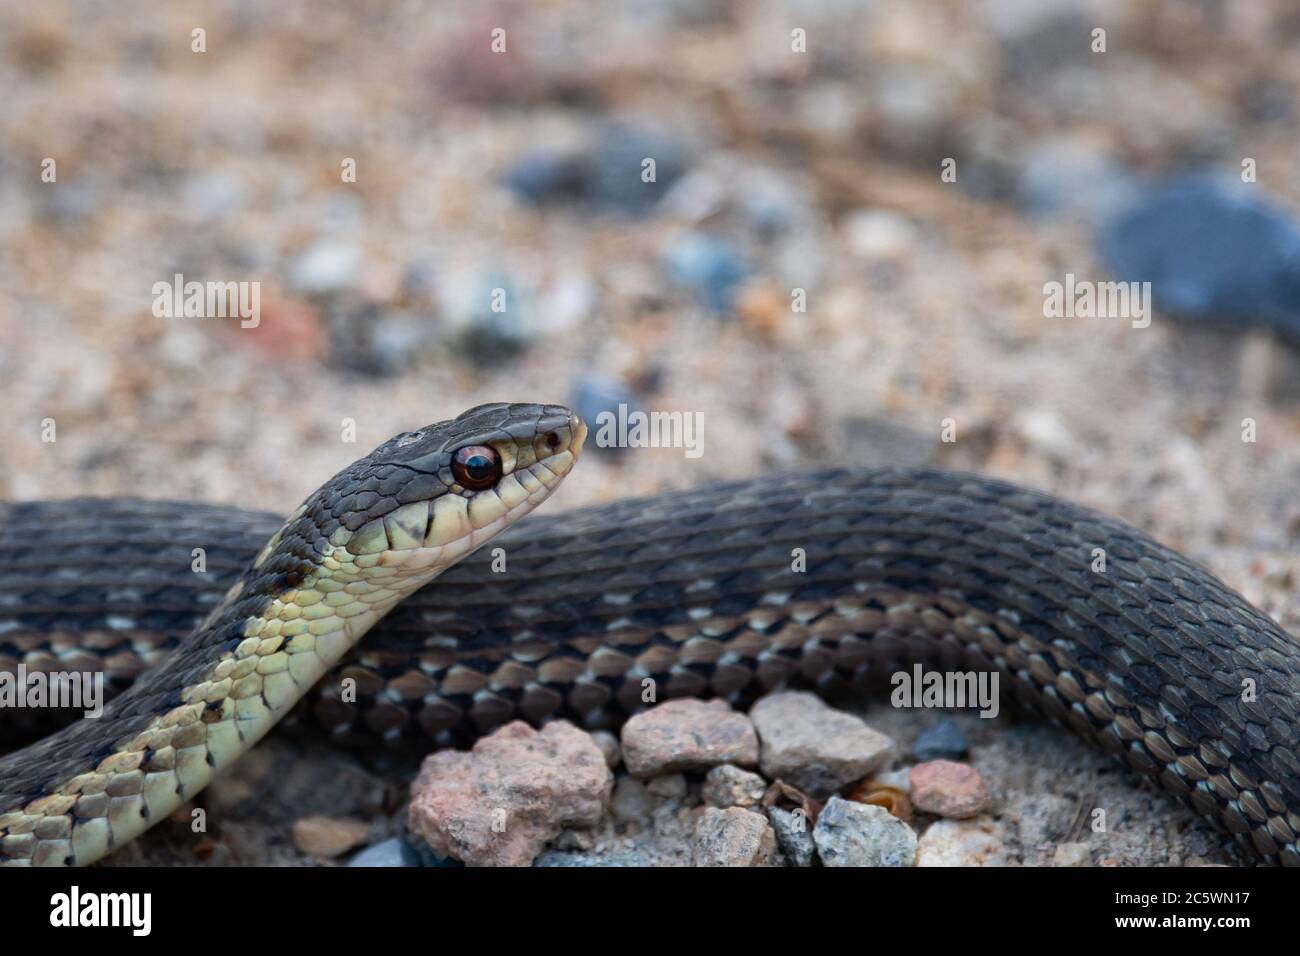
476,467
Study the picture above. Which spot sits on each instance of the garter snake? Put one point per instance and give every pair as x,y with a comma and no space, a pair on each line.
368,537
1148,656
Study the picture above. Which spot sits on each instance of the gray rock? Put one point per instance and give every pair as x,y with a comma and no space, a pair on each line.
729,786
709,267
1212,251
733,837
794,835
607,173
69,202
1042,36
371,341
213,195
857,834
814,747
943,741
597,395
490,318
669,787
1063,178
631,800
391,852
562,858
608,745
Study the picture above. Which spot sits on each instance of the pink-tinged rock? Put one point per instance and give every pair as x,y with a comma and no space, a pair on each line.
948,789
500,803
688,735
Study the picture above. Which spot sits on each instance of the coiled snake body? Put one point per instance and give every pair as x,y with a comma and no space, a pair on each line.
700,592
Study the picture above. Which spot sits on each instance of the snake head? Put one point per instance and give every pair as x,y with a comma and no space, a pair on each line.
425,499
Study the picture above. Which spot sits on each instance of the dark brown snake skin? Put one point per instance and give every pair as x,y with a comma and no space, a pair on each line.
1154,660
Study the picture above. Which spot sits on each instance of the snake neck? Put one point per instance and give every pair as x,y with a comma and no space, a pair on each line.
284,624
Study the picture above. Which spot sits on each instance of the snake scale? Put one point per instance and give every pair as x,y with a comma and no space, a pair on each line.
1153,659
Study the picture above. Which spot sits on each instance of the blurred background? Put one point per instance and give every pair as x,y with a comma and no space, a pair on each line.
795,146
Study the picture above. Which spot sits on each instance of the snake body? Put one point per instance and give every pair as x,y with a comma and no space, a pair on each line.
370,536
832,580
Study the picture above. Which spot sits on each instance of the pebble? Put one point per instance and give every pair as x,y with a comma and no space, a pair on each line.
960,843
770,202
630,858
794,835
728,786
489,318
1238,256
687,735
1041,36
375,342
213,195
596,395
631,800
67,203
709,267
733,837
498,804
328,837
900,780
1044,432
916,104
1069,179
327,267
669,787
1072,854
546,177
608,745
944,740
855,834
391,852
879,235
819,750
948,789
608,173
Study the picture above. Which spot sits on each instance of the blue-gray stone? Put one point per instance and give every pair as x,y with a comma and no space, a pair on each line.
391,852
709,267
943,741
597,395
1212,251
606,174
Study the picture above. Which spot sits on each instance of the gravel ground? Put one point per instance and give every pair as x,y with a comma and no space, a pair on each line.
816,171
